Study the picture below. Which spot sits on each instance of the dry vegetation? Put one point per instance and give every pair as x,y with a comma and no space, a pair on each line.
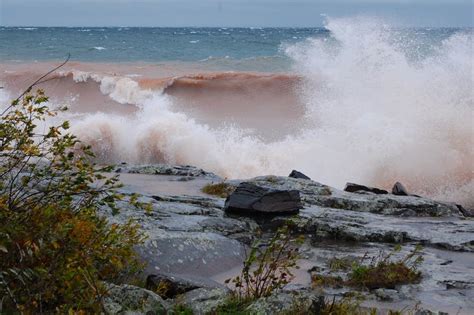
380,272
222,189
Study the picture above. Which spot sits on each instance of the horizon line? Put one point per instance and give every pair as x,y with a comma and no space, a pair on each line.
195,26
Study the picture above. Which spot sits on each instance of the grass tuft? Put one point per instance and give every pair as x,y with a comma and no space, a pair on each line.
380,272
222,189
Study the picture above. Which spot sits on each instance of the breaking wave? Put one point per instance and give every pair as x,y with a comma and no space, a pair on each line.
358,109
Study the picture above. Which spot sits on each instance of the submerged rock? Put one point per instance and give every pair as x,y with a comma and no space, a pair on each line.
296,174
252,199
351,187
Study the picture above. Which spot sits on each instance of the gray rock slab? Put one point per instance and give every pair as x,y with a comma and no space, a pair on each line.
314,193
455,234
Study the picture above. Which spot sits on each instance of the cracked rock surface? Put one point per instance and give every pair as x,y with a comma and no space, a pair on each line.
190,236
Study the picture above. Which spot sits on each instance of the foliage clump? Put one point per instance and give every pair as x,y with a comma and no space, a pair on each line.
222,189
318,280
349,305
341,263
382,272
55,250
268,267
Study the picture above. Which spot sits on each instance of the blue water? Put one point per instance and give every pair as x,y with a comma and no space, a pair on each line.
147,44
262,47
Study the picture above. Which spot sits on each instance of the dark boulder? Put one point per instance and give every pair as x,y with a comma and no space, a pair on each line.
465,212
399,190
351,187
251,199
296,174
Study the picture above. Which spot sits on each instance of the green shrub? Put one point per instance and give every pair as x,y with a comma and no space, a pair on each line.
180,309
222,189
382,272
318,280
268,267
341,263
234,305
55,250
349,305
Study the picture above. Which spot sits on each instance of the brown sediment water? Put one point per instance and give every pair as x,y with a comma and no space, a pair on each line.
361,127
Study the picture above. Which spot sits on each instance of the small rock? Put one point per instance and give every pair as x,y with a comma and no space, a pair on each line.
351,187
447,262
284,302
252,199
169,285
465,212
399,190
203,301
386,294
460,285
296,174
129,299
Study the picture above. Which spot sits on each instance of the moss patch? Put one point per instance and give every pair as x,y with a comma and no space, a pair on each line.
222,189
318,280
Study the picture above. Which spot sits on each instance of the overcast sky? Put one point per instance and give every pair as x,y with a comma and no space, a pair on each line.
229,12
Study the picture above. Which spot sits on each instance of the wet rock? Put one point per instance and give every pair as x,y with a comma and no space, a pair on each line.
190,253
169,285
351,187
296,174
399,190
462,285
327,223
164,169
203,301
386,294
191,238
466,212
187,235
285,302
251,199
314,193
447,262
128,299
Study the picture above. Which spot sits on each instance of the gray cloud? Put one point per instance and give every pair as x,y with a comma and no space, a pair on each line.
229,12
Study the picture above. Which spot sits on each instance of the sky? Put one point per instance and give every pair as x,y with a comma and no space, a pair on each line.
259,13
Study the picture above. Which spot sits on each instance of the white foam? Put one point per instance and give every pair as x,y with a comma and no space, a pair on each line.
378,117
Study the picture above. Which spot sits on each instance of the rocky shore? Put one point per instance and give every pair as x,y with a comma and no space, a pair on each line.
196,241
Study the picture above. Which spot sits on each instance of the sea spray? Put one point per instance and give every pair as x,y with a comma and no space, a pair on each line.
377,110
378,117
384,116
